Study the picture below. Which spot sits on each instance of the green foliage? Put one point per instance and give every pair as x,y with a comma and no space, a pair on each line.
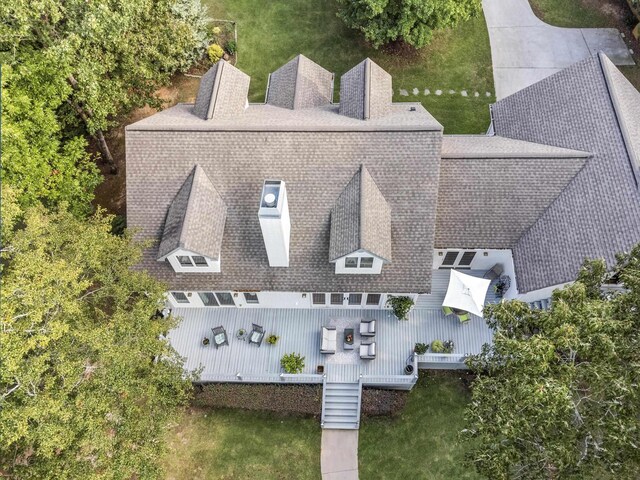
292,362
272,339
231,47
556,395
39,161
448,346
421,348
400,306
437,346
89,381
411,21
215,52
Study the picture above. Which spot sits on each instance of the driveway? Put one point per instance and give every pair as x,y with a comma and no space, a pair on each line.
525,50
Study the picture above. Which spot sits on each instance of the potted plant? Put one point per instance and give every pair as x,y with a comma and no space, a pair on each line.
272,339
420,348
292,363
408,369
448,346
242,332
437,346
205,341
400,306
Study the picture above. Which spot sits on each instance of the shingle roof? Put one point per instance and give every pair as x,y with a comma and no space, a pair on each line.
365,91
300,83
223,91
361,219
195,219
598,214
492,189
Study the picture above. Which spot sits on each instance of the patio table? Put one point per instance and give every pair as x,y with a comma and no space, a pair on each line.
348,333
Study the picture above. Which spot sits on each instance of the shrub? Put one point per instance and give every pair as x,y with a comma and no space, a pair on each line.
437,346
400,306
448,346
231,47
272,339
421,348
292,363
215,52
216,31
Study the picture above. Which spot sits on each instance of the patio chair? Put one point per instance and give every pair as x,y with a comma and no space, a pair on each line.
220,336
368,328
494,272
465,317
329,340
256,335
447,310
368,351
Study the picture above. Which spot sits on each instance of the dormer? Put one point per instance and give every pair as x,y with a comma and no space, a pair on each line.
360,239
194,226
300,83
223,91
366,91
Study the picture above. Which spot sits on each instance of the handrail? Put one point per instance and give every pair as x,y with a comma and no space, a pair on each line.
442,357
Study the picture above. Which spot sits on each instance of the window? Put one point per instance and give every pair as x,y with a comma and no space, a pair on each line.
208,299
351,262
450,258
251,297
355,298
180,297
319,298
366,262
336,299
185,260
466,259
225,298
200,261
373,299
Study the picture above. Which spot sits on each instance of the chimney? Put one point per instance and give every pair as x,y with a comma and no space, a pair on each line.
274,222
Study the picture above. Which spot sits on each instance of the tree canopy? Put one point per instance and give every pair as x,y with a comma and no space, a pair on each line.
411,21
557,394
88,382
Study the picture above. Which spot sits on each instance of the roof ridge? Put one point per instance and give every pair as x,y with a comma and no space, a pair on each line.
216,87
295,84
366,98
186,208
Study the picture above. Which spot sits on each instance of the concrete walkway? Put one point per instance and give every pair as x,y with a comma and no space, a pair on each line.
339,454
525,49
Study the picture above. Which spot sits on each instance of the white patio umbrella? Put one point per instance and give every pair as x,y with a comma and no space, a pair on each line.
466,292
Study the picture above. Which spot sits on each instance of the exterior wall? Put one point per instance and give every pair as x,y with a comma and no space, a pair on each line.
214,266
540,294
374,270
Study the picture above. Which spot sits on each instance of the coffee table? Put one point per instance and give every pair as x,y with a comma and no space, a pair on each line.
348,339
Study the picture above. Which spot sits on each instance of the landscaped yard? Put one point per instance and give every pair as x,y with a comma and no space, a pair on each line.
422,442
235,444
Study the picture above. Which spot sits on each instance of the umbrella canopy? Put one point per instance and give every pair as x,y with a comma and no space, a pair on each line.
466,292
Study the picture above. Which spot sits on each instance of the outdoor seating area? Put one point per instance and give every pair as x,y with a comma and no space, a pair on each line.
367,330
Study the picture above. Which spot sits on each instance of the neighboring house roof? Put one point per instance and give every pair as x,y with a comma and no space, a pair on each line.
361,219
223,91
365,91
584,107
300,83
195,219
492,189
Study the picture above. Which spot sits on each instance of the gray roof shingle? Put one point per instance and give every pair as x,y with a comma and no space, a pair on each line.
300,83
195,219
223,91
598,214
361,219
366,91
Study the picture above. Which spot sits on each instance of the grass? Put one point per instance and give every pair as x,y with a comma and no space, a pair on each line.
271,33
423,441
233,444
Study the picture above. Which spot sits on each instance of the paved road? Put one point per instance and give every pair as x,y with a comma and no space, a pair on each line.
525,49
339,454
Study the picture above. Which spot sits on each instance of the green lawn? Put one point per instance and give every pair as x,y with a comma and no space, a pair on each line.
422,443
234,444
272,32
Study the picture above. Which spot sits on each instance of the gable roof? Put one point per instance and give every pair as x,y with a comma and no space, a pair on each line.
365,91
598,213
300,83
492,189
361,219
195,219
223,90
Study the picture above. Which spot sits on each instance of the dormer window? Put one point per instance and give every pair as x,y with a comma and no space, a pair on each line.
200,261
184,260
366,262
351,262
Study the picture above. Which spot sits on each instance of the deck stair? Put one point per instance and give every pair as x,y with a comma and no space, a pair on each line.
543,304
341,405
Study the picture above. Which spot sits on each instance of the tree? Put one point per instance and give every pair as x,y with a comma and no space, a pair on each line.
412,21
556,395
88,382
114,54
38,159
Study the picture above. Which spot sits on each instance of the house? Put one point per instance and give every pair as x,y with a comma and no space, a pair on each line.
301,202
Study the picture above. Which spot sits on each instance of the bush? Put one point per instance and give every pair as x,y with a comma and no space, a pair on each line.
272,339
231,47
437,346
400,306
215,52
421,348
448,346
292,363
